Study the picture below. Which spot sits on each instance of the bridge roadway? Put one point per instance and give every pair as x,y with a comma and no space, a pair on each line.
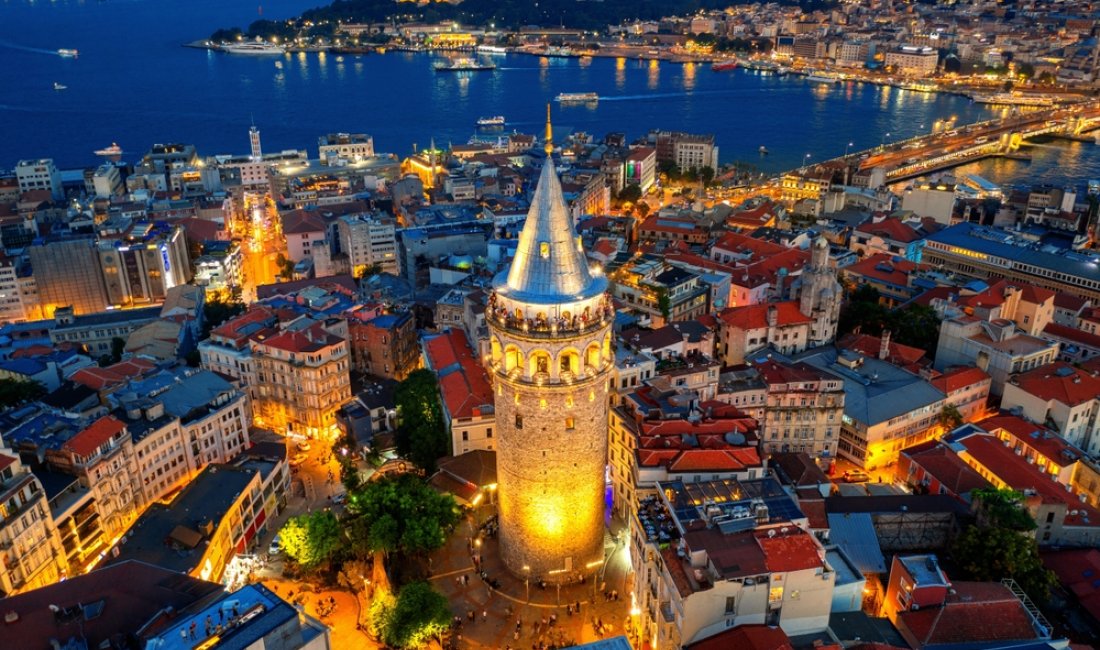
928,153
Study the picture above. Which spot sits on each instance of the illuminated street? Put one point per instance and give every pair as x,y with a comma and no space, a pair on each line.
256,224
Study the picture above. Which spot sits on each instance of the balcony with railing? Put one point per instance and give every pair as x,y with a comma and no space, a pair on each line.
541,325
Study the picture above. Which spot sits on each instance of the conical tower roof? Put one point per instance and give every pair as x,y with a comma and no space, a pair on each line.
550,265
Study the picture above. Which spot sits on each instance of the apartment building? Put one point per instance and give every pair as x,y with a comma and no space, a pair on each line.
1060,396
804,409
302,378
384,346
996,347
41,174
732,553
368,240
349,147
31,554
913,60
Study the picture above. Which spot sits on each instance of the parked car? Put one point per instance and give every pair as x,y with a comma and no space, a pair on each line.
856,476
276,546
304,446
298,460
340,498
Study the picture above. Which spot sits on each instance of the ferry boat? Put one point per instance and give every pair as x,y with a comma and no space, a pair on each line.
1010,99
577,97
57,86
463,65
253,48
68,54
491,49
821,78
496,120
722,66
111,151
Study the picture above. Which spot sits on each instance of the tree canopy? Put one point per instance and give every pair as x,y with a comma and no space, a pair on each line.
420,614
915,325
311,539
14,392
400,513
421,434
999,544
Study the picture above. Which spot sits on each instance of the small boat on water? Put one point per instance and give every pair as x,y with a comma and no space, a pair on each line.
57,86
577,97
254,48
763,150
491,49
113,151
463,65
68,54
722,66
496,120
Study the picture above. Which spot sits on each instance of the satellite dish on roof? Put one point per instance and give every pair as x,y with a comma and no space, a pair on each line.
771,533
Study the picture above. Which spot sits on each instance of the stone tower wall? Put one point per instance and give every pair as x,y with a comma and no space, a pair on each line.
550,477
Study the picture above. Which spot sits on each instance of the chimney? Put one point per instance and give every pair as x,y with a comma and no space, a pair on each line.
773,316
884,345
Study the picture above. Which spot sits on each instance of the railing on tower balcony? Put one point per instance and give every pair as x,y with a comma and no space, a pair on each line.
550,327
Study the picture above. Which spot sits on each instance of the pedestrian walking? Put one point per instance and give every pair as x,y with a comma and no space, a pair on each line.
484,615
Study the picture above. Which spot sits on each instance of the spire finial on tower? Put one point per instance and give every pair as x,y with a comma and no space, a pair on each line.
549,147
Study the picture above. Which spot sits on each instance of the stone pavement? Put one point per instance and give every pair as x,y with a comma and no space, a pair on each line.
516,606
342,618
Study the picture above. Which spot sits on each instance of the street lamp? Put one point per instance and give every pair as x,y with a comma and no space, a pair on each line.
882,144
846,149
527,581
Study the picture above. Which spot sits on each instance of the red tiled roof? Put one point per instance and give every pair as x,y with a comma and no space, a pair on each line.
1059,382
745,637
958,378
463,381
1020,475
1078,570
869,346
5,461
753,317
794,550
1069,301
891,229
310,339
884,268
774,372
742,244
343,283
87,441
1042,440
976,612
944,465
99,378
1072,334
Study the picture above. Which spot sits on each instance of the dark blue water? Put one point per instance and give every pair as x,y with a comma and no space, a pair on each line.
133,83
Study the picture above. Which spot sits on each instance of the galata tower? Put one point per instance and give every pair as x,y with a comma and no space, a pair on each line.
550,321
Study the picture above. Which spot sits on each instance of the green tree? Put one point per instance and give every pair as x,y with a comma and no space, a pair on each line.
421,435
216,312
398,514
642,209
420,615
629,194
118,346
380,614
706,174
986,554
14,392
311,539
285,266
664,303
949,417
1000,544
